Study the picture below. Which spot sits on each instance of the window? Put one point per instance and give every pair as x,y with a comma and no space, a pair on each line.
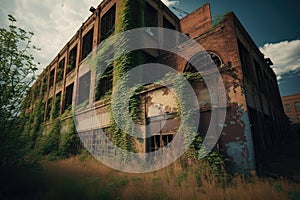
72,60
258,73
105,83
84,88
298,118
51,77
287,107
60,70
170,37
56,108
203,61
49,107
159,141
245,58
151,19
68,97
297,106
87,45
108,23
216,59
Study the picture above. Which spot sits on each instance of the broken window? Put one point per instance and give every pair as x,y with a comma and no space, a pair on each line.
108,23
163,127
104,85
84,88
51,81
87,45
49,107
72,60
151,19
159,141
68,97
60,70
287,107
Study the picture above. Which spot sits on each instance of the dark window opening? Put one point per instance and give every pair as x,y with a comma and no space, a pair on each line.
104,85
108,23
151,19
60,70
51,78
297,106
72,60
159,141
68,97
49,107
287,107
56,108
245,58
154,71
216,59
84,88
201,62
258,73
169,37
87,45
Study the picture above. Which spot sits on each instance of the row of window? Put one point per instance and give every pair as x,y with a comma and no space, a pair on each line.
107,28
288,108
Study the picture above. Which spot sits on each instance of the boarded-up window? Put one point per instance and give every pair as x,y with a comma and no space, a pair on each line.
84,88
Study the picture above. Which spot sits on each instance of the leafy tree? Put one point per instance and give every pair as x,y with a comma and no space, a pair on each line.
17,72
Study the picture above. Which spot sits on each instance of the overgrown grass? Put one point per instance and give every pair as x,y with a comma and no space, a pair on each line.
76,178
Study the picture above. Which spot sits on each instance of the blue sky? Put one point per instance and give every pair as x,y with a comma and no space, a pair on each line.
273,25
275,28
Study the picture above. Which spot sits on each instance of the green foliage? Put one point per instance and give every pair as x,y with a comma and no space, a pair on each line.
68,141
49,143
17,68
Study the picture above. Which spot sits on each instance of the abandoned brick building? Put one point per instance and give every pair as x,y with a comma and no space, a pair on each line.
255,121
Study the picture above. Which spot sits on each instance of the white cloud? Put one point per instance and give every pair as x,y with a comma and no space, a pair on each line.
53,22
285,56
170,3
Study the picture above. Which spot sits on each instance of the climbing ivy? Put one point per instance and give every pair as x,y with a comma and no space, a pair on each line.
130,16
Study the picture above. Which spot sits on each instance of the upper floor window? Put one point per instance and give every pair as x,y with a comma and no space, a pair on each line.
203,61
108,23
68,97
87,43
60,70
51,81
245,58
297,106
104,83
169,37
151,19
287,107
72,59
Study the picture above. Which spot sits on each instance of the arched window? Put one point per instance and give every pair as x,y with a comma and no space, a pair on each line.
203,61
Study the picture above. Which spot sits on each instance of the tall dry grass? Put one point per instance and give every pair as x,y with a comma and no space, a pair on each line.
91,179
